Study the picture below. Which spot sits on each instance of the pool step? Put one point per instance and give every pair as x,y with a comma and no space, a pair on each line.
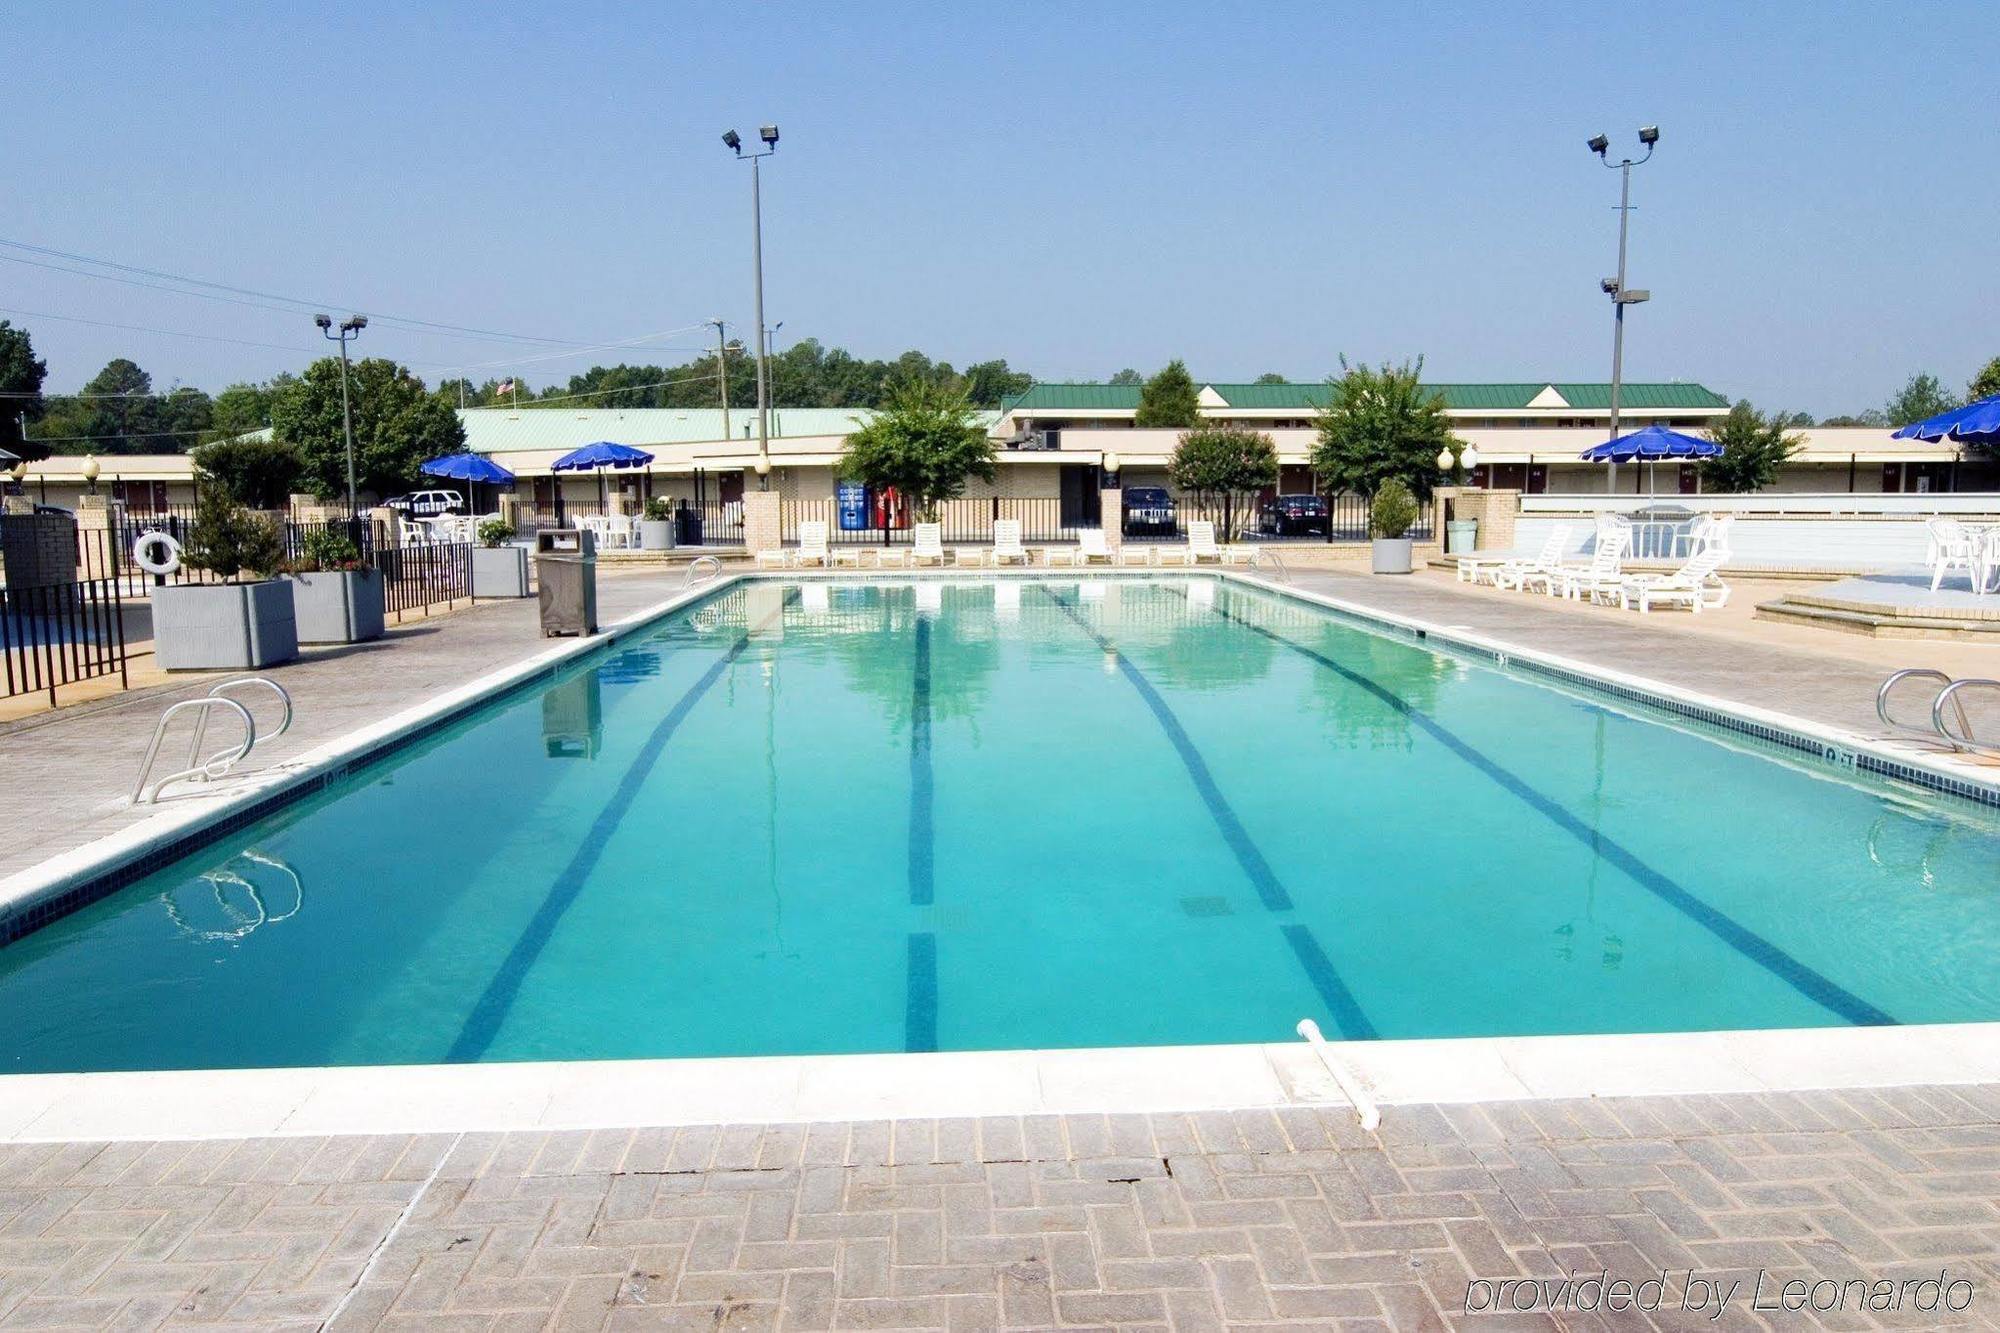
1877,624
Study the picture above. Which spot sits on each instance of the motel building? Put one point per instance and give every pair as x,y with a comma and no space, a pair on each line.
1053,442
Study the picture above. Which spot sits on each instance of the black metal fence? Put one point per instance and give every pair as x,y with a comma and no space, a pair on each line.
1042,519
416,578
707,522
1346,520
60,634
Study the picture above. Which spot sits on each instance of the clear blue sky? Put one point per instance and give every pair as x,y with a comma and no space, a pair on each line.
1077,188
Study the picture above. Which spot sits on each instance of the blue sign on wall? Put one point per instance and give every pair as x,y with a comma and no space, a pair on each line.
851,499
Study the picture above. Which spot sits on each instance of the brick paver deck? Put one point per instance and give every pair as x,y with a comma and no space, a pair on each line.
1293,1217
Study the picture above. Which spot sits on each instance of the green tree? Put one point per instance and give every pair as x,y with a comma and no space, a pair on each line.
925,443
257,472
1271,377
21,376
1128,376
1381,424
1169,398
989,383
1984,385
1871,417
242,408
1754,447
227,540
397,425
1923,396
1224,467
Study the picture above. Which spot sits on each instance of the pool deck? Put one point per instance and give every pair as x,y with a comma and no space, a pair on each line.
1279,1215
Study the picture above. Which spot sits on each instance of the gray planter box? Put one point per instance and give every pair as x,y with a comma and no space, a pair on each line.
656,534
338,606
499,571
224,626
1391,555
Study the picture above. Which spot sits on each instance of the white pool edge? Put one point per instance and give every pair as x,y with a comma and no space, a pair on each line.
248,1103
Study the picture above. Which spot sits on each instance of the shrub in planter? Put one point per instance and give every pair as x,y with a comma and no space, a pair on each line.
239,623
1390,517
498,570
336,598
656,529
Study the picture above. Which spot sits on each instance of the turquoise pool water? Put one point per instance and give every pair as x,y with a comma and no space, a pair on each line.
869,817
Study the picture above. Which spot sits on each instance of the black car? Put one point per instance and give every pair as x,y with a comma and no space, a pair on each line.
1148,509
1291,515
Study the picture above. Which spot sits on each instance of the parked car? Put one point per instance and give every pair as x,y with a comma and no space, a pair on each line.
427,504
1290,515
1148,509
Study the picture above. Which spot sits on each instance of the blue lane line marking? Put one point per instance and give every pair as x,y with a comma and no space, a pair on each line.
484,1022
923,830
1339,1000
1816,987
1247,854
920,1010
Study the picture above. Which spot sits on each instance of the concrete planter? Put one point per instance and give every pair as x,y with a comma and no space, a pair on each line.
656,534
1391,555
338,606
224,626
499,571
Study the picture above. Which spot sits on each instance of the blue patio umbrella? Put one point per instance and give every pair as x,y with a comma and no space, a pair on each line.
1649,446
466,467
596,457
1978,422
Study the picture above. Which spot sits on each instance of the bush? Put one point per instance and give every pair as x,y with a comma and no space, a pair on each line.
259,473
1394,511
227,539
657,510
495,532
326,548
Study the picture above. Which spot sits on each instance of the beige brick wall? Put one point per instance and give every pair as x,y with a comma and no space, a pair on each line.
761,521
39,549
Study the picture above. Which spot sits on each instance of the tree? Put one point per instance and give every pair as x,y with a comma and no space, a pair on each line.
1871,417
1271,377
21,376
242,408
924,444
1222,464
397,425
259,473
1924,396
1754,447
227,540
990,383
1381,424
1128,376
1169,398
1984,385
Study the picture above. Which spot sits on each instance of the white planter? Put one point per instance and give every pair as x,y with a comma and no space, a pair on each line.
1391,555
224,626
499,571
656,534
338,606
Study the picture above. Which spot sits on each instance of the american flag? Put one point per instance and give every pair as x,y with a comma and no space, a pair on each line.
508,387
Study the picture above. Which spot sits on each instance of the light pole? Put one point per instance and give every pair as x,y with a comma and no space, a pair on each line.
722,369
349,328
769,135
1649,136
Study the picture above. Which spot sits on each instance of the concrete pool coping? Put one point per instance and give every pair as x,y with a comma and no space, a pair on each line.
367,1099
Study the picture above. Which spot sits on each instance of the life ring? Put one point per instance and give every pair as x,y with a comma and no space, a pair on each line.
165,565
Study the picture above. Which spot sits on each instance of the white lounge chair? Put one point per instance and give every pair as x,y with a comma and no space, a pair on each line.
843,555
1137,553
1007,546
1694,583
812,545
1486,568
927,543
1711,530
1543,569
1954,546
1090,545
777,558
1200,545
1603,576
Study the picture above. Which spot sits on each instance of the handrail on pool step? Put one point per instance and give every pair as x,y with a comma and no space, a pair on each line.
1364,1105
219,763
1962,738
708,565
1936,730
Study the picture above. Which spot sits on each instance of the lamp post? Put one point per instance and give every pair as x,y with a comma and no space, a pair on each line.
349,328
1649,137
722,370
769,135
91,471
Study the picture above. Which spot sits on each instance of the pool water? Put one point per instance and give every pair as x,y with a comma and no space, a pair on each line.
982,814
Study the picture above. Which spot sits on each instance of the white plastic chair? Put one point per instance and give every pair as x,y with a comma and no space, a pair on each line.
1090,545
1604,576
1695,583
1952,546
1544,569
1487,568
927,543
812,544
1007,542
1200,545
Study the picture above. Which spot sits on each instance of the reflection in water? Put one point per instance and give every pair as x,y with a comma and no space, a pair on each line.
1594,933
573,713
241,905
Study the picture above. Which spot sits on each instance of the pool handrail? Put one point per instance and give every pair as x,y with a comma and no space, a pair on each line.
1962,739
215,767
1936,728
230,686
1364,1105
708,565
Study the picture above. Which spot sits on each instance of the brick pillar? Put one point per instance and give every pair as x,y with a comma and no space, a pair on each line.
510,510
763,528
1111,516
1496,511
1446,502
96,530
38,550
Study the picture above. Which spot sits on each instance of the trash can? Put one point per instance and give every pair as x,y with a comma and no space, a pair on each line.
689,526
566,567
1461,535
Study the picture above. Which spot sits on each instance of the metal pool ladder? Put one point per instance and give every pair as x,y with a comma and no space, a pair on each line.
706,565
1272,557
1947,696
222,761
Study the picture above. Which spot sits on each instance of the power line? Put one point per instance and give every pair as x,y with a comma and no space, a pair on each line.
170,333
623,388
128,435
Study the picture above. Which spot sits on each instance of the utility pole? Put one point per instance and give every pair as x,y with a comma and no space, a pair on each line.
1615,288
769,135
349,328
722,369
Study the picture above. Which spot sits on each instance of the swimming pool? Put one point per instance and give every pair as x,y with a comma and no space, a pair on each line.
861,816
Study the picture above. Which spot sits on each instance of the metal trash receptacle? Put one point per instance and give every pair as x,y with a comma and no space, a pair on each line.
566,569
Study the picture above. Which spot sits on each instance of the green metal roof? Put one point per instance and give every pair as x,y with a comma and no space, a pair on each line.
1308,397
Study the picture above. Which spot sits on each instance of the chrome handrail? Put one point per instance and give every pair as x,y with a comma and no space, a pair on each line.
1895,678
706,563
214,767
229,686
1262,554
1962,741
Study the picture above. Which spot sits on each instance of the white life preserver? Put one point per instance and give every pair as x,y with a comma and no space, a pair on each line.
165,565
